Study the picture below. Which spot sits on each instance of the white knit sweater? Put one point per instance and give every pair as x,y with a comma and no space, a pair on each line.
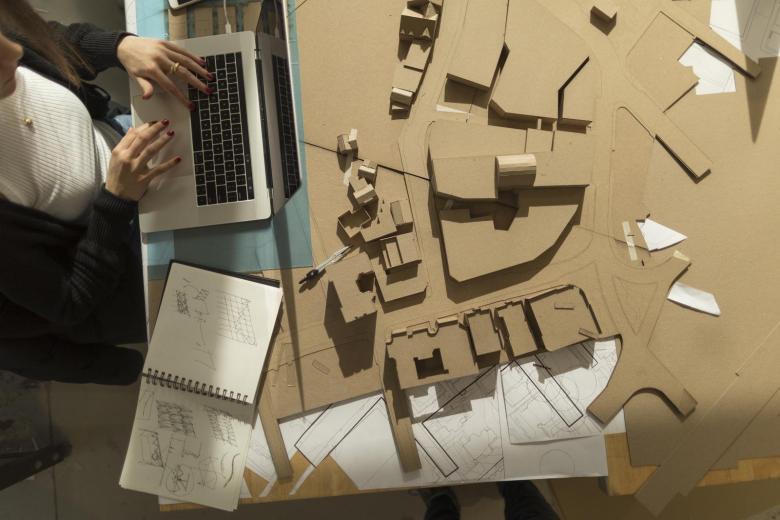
53,157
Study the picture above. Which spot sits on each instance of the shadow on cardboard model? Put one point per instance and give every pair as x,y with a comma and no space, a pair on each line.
498,218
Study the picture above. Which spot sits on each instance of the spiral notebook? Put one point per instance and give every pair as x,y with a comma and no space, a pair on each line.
195,408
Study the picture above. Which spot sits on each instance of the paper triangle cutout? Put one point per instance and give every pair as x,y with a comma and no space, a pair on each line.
658,236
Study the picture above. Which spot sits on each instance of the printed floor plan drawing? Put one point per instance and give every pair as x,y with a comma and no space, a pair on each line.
546,395
464,428
752,26
468,429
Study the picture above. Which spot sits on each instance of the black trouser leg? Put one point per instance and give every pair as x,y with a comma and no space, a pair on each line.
522,501
52,359
442,507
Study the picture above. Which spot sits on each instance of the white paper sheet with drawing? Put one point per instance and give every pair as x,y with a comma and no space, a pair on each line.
462,434
214,329
547,395
187,448
752,26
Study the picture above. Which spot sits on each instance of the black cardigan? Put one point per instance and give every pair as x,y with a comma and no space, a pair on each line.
83,284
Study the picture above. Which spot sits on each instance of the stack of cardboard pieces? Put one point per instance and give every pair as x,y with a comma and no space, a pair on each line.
510,227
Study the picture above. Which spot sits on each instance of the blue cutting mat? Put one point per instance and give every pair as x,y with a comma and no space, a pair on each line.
284,240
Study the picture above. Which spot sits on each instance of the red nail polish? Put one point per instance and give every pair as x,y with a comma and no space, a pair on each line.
191,106
210,90
170,133
165,122
178,160
211,76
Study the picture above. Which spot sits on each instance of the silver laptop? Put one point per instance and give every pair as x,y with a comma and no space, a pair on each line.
238,147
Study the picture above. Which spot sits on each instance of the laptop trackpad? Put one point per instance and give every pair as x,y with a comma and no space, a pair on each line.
164,106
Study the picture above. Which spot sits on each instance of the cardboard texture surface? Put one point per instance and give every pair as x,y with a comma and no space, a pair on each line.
711,39
604,9
654,62
579,95
381,223
416,54
541,219
351,32
543,55
351,221
400,250
345,278
406,78
465,177
401,213
560,315
484,334
423,356
516,328
273,435
631,159
480,43
415,25
756,383
745,143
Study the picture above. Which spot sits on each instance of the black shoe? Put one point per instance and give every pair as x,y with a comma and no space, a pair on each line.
440,503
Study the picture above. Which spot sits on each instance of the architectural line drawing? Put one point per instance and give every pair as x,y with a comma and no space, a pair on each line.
468,429
234,319
221,426
331,427
546,395
174,417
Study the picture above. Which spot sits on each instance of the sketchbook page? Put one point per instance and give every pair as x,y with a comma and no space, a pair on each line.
188,447
214,329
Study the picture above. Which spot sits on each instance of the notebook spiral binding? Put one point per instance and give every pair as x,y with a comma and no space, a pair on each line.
169,380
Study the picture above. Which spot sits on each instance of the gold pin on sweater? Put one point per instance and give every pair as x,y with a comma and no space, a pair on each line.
28,122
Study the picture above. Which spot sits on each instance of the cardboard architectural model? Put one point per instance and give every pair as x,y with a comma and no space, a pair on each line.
416,33
521,196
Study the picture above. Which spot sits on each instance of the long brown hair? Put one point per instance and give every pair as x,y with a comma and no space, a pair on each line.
19,19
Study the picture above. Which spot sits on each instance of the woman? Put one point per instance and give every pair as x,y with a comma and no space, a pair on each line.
70,270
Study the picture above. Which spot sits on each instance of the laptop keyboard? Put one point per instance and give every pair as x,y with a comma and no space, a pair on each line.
286,117
223,170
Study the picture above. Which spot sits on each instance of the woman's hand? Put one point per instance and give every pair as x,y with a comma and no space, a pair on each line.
128,172
151,61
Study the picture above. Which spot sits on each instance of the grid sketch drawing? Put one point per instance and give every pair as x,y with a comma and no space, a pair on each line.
173,417
221,424
234,319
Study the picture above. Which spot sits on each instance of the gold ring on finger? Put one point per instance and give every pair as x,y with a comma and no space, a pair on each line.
174,67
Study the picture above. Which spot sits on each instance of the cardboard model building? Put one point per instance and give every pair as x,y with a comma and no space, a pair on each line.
501,216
